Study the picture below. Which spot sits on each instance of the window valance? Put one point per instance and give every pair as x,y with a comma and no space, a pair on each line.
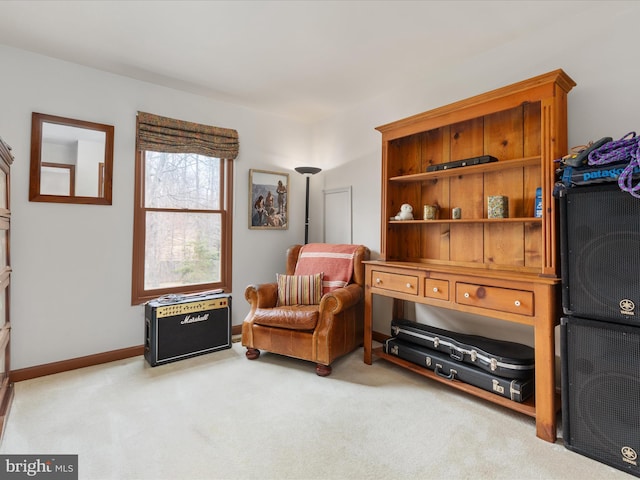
165,134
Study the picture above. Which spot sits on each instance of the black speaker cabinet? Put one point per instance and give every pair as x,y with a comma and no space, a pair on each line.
600,253
601,391
186,328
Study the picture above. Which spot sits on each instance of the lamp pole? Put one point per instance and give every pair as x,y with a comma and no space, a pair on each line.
307,172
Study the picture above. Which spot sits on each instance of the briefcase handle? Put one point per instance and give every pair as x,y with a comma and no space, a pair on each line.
438,371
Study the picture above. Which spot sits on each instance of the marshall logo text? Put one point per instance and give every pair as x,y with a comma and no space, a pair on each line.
199,318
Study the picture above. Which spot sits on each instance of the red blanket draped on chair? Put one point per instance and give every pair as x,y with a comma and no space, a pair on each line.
335,261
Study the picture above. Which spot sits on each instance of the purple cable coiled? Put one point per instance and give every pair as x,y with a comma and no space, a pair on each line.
628,147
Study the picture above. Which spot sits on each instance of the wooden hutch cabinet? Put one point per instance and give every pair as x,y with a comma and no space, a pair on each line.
503,268
6,388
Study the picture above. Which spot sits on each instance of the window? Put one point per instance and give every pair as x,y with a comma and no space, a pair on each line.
183,209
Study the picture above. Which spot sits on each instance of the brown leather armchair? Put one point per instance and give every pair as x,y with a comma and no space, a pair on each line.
317,333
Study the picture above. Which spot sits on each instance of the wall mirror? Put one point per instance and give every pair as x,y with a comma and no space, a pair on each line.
71,161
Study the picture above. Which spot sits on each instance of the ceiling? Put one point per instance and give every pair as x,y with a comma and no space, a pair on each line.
303,59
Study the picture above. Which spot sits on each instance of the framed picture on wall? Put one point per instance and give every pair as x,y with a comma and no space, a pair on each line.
268,200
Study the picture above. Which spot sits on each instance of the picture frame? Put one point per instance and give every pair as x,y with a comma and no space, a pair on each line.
268,200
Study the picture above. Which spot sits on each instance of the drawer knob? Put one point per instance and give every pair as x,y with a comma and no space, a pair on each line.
517,302
435,289
408,285
378,280
466,295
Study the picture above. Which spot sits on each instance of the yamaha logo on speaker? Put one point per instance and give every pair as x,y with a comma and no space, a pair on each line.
629,455
627,307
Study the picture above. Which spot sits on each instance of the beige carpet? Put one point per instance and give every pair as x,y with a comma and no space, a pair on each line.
221,416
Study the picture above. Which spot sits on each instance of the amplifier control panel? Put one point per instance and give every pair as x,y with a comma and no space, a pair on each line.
191,307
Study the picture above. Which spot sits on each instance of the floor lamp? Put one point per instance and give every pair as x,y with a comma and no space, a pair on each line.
307,172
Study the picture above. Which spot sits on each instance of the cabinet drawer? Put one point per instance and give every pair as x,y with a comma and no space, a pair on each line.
395,281
436,289
495,298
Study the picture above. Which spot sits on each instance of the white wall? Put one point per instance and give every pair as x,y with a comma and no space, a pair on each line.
71,285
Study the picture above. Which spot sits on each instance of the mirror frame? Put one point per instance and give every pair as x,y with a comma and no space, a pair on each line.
37,121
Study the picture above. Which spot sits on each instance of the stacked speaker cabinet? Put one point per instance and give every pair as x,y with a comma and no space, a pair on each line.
600,332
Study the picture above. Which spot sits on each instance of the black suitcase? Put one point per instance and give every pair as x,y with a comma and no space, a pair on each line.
517,390
505,359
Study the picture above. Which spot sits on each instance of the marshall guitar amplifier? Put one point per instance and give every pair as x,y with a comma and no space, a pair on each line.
183,327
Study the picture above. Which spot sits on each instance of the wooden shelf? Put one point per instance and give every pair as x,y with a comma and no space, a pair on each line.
527,407
470,170
468,220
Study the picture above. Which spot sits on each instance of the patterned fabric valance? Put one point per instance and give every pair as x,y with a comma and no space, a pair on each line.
164,134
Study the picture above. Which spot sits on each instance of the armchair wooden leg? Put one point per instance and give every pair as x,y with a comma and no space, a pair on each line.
323,370
252,353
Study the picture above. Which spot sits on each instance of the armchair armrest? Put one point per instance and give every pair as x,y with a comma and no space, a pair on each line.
341,299
262,296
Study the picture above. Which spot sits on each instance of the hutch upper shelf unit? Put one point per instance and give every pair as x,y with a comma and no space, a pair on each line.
505,268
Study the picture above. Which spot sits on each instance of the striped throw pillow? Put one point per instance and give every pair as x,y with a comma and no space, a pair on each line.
299,289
